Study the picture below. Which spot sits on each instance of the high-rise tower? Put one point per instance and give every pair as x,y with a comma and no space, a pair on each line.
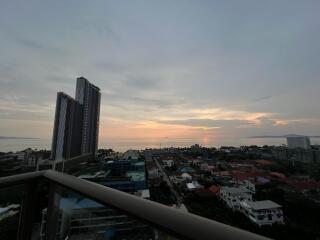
76,126
88,95
66,135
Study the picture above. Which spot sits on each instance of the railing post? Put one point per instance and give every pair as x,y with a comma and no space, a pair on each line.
28,211
53,211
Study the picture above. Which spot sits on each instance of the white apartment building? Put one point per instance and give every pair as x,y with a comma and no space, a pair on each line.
263,212
168,163
297,141
249,185
194,185
232,196
186,176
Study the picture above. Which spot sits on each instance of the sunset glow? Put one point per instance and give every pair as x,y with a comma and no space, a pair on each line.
202,75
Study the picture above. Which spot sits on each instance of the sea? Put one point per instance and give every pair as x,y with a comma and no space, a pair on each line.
121,145
7,145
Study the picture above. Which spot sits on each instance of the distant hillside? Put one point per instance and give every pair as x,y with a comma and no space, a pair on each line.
9,137
282,136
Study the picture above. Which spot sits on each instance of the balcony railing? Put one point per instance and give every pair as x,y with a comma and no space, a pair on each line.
166,220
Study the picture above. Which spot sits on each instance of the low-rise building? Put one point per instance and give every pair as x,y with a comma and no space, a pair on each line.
214,189
176,179
186,169
232,196
153,173
186,176
131,155
168,163
29,157
248,184
194,185
262,212
206,167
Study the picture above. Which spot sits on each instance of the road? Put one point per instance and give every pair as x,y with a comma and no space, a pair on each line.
165,178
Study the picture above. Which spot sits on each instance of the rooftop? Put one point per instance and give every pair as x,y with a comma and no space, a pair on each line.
213,188
259,205
234,190
136,175
191,186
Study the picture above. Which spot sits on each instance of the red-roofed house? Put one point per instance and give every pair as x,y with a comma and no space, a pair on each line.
264,162
214,189
278,176
242,176
303,185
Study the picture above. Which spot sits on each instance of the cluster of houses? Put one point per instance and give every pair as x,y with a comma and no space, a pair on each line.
22,161
264,212
184,178
154,175
236,192
235,182
238,196
27,157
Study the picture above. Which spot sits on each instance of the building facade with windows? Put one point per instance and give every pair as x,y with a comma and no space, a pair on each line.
88,95
76,124
66,130
232,196
263,212
298,142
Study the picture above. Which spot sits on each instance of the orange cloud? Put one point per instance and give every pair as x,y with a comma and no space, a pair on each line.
148,130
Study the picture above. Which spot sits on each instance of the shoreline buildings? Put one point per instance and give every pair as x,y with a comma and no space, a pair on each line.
297,141
76,124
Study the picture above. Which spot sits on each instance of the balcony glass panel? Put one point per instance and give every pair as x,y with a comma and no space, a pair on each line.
10,210
83,218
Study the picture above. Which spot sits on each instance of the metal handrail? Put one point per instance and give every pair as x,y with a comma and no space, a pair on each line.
19,178
180,224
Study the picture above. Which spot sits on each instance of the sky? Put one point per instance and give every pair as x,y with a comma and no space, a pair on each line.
166,69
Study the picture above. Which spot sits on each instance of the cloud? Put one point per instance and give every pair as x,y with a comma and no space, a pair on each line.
29,43
191,65
107,30
143,83
36,45
261,98
136,101
301,121
60,79
209,123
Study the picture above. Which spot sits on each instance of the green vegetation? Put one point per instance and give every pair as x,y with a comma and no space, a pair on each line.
303,219
214,209
11,195
162,194
9,228
302,214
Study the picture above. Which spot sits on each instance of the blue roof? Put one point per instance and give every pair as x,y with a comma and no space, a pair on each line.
186,169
